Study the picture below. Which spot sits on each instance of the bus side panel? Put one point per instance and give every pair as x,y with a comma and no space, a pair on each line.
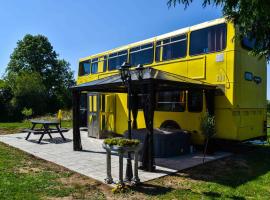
227,123
250,97
121,113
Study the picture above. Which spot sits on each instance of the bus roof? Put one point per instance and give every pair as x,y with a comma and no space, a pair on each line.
160,37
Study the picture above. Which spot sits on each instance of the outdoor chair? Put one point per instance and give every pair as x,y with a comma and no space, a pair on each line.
59,117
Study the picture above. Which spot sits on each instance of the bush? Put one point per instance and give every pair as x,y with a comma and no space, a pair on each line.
29,92
27,112
208,126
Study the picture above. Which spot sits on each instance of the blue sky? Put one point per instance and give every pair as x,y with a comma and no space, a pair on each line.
83,27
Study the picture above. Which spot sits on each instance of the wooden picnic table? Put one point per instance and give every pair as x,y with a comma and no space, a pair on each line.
46,129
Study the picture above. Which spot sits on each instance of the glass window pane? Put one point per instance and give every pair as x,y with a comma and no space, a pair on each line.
94,68
105,64
195,101
117,59
176,49
84,68
158,54
171,101
210,39
143,56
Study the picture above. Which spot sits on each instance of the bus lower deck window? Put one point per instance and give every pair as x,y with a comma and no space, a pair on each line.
171,101
195,101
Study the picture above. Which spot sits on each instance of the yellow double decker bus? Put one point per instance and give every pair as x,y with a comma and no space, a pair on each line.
208,52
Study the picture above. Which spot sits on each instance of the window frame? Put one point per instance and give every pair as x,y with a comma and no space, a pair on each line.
172,102
94,60
86,74
226,34
202,101
139,50
162,44
115,56
105,60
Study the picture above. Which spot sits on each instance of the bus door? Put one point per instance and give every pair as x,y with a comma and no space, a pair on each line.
93,115
107,114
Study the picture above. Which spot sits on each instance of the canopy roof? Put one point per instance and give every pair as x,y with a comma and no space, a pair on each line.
161,81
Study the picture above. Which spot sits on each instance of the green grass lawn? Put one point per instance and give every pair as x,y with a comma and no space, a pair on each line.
241,176
15,127
25,177
244,175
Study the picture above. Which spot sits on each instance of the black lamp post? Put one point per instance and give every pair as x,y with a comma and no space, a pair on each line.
126,78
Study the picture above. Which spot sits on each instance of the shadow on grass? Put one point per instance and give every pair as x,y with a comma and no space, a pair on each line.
172,193
152,190
234,170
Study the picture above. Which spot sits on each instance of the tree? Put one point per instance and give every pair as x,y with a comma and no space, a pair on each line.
35,56
5,98
29,92
252,19
268,106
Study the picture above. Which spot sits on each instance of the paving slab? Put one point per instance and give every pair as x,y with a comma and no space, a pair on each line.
91,161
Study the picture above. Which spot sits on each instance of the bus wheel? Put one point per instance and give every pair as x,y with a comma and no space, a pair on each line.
170,124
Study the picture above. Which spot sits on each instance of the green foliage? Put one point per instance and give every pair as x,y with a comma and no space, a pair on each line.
120,188
208,126
30,92
5,98
121,142
268,106
252,19
27,112
35,73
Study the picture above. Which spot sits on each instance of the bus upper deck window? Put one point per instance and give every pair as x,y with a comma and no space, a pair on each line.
84,68
207,40
105,64
94,66
117,59
143,54
174,47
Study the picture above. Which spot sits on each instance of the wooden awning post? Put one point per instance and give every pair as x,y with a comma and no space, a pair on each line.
134,109
77,144
148,161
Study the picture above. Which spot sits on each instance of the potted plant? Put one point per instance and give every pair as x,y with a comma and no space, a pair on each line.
208,128
120,143
121,146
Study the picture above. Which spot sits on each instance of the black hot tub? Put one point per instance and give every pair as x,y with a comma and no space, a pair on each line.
167,142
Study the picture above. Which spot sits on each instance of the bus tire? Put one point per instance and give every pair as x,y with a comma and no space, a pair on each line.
170,124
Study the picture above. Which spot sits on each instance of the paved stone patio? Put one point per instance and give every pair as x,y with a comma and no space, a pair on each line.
92,160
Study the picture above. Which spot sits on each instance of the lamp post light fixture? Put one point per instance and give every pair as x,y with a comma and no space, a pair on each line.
139,70
126,78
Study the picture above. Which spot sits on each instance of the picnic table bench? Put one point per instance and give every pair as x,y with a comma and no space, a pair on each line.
46,129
